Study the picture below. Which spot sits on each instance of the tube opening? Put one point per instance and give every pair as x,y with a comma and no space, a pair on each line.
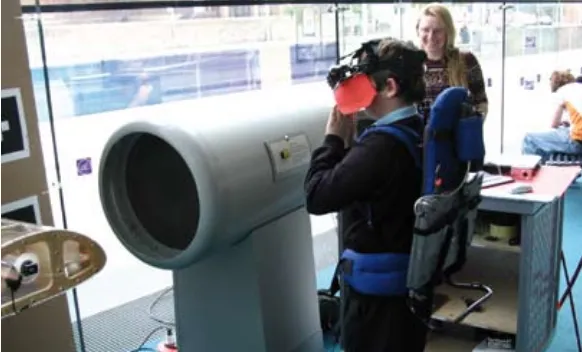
150,196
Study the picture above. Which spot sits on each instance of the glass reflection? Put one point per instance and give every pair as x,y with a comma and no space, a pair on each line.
104,66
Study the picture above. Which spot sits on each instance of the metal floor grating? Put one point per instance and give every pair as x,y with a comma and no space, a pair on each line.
123,329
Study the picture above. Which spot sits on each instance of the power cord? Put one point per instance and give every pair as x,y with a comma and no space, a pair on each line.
168,326
141,347
13,280
14,283
156,302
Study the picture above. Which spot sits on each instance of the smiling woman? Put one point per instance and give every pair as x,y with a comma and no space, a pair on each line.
446,65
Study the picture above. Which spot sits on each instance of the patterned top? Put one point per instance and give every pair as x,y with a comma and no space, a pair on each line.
437,80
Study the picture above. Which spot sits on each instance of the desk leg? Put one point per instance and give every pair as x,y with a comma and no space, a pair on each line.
559,223
568,293
538,277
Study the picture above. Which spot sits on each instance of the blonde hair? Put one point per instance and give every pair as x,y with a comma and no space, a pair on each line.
455,63
560,78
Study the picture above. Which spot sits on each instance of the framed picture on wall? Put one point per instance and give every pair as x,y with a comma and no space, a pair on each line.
15,144
25,209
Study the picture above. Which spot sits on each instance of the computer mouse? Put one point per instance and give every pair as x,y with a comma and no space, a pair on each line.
521,188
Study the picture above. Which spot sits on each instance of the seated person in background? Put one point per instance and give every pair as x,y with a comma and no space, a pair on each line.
565,136
374,185
446,66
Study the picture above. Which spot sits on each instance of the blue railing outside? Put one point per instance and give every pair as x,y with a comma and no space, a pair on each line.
108,85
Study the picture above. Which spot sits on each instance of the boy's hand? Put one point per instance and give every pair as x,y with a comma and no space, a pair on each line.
343,126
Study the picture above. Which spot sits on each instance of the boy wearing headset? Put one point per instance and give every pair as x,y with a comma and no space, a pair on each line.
373,183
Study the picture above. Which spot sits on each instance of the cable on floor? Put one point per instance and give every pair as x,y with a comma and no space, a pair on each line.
164,324
141,347
155,302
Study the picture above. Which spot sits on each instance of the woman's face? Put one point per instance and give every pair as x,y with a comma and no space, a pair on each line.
433,36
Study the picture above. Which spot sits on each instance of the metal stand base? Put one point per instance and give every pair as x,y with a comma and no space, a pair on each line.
259,295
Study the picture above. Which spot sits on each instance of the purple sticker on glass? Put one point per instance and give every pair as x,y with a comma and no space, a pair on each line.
84,167
530,42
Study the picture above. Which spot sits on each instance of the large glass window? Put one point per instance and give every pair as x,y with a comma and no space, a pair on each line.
104,67
479,31
94,70
540,38
474,33
361,22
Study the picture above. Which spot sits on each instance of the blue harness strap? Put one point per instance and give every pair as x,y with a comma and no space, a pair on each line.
406,135
379,274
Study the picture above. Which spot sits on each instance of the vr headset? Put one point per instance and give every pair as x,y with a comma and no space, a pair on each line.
356,84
